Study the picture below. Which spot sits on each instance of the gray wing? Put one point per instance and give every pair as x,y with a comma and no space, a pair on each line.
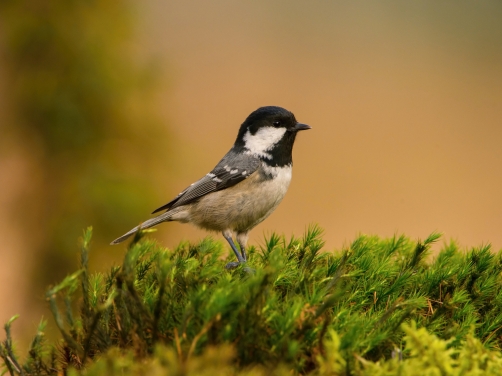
232,169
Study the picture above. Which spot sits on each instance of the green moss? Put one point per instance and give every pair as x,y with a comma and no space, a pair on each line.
375,308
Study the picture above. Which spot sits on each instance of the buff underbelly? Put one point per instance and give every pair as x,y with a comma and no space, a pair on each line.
239,208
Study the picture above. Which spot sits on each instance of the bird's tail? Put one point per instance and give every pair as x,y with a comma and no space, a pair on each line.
147,224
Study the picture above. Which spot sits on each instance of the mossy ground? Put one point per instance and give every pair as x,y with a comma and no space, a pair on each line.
377,307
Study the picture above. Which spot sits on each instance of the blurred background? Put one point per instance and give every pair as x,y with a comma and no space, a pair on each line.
110,108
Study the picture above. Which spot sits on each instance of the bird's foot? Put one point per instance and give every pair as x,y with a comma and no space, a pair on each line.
249,270
232,265
236,264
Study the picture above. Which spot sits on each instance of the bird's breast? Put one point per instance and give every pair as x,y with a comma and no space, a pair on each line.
273,181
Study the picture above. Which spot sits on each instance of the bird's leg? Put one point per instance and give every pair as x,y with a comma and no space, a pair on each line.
231,265
242,239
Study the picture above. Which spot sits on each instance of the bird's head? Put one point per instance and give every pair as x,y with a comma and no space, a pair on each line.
269,133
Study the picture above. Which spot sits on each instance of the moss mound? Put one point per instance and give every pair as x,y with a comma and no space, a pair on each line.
376,308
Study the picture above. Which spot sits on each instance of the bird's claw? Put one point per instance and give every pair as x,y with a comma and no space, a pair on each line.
249,270
232,265
235,264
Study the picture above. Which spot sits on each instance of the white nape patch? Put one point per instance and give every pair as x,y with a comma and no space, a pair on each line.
211,175
263,140
216,180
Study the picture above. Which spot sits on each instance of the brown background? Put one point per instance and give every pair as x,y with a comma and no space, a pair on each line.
405,101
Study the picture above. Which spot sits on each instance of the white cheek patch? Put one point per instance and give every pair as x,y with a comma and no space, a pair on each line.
263,140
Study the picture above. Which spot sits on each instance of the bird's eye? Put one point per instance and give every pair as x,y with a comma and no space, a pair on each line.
277,123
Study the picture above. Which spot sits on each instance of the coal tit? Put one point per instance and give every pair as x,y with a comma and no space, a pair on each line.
245,186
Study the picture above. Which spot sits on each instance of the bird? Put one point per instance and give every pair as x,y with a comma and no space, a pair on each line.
246,185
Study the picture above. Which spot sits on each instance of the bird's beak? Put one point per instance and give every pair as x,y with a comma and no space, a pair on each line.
301,127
